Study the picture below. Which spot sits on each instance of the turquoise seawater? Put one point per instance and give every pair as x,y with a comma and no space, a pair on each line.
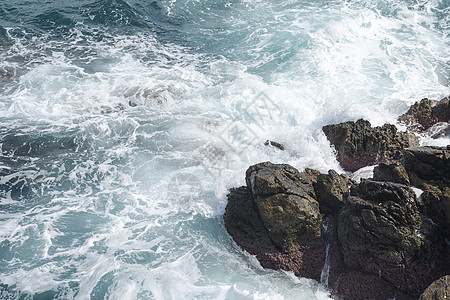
124,123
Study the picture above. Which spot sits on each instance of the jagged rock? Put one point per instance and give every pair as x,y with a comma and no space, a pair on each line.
427,165
380,221
354,285
285,199
358,144
274,144
277,218
424,114
436,205
331,191
383,244
395,172
438,290
266,179
382,233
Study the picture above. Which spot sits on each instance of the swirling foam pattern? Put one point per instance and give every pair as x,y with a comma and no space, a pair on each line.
123,124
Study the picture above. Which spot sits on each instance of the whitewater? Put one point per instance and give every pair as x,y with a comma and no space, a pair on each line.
123,124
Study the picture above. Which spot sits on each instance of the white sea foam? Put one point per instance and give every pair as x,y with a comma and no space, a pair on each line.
133,210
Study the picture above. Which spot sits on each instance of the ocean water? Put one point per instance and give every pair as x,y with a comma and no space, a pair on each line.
123,123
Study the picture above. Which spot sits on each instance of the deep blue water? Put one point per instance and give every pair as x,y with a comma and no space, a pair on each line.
124,123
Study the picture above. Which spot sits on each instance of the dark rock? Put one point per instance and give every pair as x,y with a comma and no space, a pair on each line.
380,221
395,172
438,290
274,144
383,244
290,220
427,165
436,205
424,114
266,179
358,144
336,267
382,233
360,286
277,219
285,199
331,190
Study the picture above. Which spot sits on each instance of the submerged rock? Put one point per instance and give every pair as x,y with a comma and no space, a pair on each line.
358,144
274,144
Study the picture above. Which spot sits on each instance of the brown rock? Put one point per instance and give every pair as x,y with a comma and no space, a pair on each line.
395,172
332,190
358,144
427,165
277,218
424,114
438,290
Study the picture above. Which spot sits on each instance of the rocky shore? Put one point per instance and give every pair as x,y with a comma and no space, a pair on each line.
375,239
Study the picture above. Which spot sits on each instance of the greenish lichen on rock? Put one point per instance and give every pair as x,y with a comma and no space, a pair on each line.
286,202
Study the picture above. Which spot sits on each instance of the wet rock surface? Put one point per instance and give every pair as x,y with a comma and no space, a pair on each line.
438,290
369,240
395,172
331,190
358,144
424,114
427,165
277,218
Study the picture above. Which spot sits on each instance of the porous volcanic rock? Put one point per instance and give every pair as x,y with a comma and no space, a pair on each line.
438,290
425,113
277,218
427,165
332,190
395,172
358,144
369,240
380,221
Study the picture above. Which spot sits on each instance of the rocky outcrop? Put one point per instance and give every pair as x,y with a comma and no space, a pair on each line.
369,240
379,241
438,290
277,218
382,233
332,190
428,165
395,172
424,114
358,144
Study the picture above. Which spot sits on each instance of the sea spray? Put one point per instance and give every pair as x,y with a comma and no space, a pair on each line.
124,123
